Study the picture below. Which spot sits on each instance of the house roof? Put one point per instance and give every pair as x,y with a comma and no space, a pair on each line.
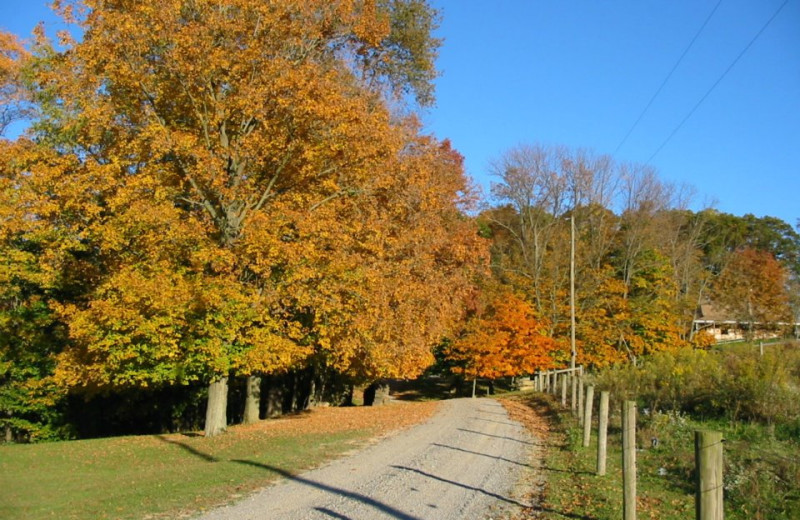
711,312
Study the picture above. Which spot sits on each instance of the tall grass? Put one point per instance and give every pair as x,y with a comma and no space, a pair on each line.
735,383
754,400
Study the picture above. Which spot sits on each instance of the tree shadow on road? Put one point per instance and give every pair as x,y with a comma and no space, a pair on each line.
331,513
481,454
465,486
492,420
487,412
380,506
497,436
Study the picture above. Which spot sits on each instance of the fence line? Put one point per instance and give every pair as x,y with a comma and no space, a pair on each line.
708,445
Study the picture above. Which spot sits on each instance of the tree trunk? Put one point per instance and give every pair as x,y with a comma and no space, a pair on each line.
311,399
376,394
274,398
295,406
369,394
320,395
217,407
252,403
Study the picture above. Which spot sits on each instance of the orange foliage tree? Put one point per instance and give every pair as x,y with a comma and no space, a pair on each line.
503,339
229,182
753,287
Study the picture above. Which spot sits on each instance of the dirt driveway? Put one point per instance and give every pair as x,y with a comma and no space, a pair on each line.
461,464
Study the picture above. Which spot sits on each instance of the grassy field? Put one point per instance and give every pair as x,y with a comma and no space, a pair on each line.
762,473
168,476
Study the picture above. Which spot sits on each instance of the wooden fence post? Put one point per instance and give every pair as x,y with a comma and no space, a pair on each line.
580,400
708,461
602,434
574,397
564,390
629,460
587,416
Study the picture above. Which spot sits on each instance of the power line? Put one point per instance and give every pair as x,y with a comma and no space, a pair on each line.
666,79
733,63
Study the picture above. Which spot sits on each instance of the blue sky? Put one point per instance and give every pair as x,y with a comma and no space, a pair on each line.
579,73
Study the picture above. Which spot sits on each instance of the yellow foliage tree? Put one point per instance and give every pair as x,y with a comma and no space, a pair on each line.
239,195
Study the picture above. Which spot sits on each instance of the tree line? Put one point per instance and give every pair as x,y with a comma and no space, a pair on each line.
219,200
644,262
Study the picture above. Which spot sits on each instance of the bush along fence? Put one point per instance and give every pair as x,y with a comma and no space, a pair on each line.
569,389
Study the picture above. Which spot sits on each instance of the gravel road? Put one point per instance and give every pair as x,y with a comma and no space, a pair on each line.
460,464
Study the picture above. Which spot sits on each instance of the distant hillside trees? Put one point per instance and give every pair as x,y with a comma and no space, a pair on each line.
644,262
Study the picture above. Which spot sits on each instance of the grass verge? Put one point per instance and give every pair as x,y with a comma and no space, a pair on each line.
169,476
761,476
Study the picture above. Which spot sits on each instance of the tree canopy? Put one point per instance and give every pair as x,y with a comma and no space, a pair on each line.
233,193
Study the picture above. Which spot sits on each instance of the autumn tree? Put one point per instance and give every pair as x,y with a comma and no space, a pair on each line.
247,195
603,318
531,183
639,266
753,287
504,338
14,102
30,332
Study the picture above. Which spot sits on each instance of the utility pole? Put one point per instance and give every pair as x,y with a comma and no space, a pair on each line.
572,289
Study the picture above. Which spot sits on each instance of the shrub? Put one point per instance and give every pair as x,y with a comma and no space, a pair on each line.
732,384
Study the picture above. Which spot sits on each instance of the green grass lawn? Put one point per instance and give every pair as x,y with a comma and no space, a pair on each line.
175,475
762,472
135,476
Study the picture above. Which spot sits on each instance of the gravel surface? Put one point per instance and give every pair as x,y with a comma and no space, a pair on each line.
463,463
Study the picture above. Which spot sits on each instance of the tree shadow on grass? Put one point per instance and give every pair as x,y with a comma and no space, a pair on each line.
380,506
576,472
547,407
563,514
194,451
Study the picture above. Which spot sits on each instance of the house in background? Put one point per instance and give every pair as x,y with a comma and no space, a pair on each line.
721,324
